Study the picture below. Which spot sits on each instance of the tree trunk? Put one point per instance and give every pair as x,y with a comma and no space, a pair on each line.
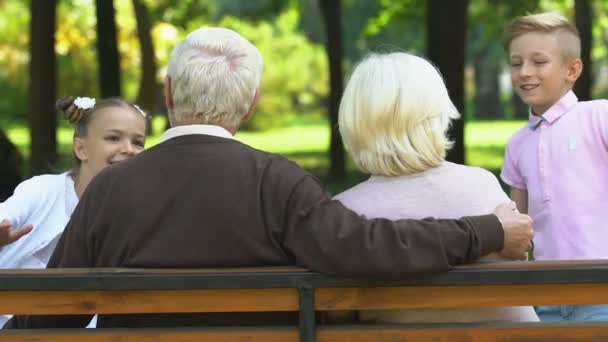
584,14
146,97
42,87
521,111
331,10
487,88
310,21
10,172
446,32
107,49
147,85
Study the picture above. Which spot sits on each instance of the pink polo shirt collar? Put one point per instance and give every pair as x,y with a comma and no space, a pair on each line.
561,107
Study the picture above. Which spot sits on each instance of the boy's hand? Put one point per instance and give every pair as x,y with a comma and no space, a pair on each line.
518,231
8,236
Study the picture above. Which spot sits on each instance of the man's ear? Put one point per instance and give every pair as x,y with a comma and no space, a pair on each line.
250,112
575,68
168,94
80,150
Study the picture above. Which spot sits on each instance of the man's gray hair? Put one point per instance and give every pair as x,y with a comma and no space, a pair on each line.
215,74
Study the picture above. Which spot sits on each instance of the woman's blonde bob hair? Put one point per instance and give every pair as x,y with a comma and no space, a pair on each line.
395,114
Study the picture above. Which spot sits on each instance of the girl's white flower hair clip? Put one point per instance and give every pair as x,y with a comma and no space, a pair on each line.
84,103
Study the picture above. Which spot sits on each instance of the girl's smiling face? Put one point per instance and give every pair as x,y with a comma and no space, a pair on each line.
114,134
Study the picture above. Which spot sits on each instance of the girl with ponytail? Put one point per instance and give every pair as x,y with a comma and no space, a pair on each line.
105,133
31,221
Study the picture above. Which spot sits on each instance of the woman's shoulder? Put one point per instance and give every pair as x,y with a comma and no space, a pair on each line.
471,172
365,194
351,192
475,178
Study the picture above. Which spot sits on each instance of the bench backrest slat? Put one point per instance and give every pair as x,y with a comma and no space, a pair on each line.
263,300
167,301
415,297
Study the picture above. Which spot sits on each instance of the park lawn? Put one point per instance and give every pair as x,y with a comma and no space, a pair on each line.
306,141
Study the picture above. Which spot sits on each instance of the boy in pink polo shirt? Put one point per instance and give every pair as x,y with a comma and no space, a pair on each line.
557,166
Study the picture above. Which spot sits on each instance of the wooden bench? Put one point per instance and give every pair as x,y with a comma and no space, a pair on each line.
79,291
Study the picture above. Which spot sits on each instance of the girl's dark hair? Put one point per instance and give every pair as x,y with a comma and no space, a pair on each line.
82,118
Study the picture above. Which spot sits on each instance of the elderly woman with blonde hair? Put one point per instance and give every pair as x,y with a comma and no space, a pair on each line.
394,117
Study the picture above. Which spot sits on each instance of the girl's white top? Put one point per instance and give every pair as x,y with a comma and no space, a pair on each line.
46,202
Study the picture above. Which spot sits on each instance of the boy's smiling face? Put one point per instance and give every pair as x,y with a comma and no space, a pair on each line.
540,73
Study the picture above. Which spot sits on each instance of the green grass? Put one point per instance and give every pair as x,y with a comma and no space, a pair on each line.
485,142
306,141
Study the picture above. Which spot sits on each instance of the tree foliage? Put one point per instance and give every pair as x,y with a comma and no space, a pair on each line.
14,58
487,57
289,33
295,70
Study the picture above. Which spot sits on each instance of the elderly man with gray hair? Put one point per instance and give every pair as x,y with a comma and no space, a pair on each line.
200,198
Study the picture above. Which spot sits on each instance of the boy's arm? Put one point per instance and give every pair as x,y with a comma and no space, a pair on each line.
520,196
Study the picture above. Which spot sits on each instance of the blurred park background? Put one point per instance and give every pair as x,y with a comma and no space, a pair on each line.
102,48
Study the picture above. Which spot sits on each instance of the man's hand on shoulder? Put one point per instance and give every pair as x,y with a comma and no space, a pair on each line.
8,235
518,230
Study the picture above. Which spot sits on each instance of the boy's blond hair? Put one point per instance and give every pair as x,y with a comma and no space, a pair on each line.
549,23
395,114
